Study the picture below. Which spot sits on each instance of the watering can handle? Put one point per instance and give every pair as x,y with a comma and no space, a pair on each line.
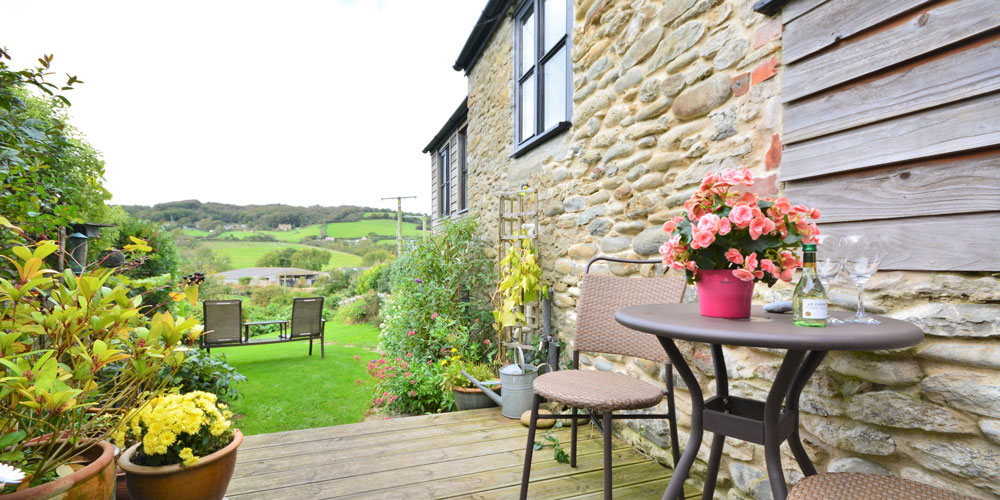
520,357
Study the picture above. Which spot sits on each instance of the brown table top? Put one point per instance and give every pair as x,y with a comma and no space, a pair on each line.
763,329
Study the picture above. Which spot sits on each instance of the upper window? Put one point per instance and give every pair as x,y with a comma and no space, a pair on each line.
541,48
444,182
463,173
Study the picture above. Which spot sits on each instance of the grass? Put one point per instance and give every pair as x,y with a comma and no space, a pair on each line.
245,253
286,389
357,229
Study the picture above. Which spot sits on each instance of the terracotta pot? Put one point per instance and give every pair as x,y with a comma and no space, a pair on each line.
96,480
722,295
205,480
472,398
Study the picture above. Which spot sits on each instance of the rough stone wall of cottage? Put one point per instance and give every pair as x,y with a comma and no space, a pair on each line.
666,91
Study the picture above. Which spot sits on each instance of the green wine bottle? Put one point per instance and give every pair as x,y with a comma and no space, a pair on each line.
809,300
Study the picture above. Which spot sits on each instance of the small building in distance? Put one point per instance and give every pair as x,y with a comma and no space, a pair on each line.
284,227
263,276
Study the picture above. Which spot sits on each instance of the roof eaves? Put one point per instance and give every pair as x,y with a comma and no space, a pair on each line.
454,121
487,24
769,7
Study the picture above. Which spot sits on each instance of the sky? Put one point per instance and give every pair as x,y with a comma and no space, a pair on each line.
301,102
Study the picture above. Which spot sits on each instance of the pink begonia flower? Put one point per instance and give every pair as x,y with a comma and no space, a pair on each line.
751,262
410,333
709,222
769,266
671,224
743,274
759,226
733,177
702,238
733,255
782,206
741,215
814,213
787,274
692,266
802,209
709,181
668,260
434,315
677,265
725,226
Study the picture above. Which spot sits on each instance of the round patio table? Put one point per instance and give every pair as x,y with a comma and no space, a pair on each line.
769,422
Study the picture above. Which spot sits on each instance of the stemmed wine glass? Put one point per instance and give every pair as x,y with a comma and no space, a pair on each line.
863,256
829,263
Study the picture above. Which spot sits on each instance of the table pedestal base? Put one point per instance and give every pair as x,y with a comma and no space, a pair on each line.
769,422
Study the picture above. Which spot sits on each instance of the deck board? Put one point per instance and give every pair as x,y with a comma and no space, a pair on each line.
460,455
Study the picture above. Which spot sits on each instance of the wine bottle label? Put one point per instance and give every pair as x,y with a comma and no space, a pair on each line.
814,308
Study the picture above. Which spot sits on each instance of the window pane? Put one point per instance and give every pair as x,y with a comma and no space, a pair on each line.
527,42
554,94
528,108
555,22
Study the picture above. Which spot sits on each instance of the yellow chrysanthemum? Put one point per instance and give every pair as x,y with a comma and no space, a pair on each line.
188,457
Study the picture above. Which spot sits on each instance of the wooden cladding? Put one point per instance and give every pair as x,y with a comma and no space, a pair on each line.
892,125
454,198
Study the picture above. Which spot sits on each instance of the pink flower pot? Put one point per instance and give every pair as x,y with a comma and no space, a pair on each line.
722,295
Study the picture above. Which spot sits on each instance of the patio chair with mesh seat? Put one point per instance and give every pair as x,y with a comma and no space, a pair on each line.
223,324
607,392
308,322
857,486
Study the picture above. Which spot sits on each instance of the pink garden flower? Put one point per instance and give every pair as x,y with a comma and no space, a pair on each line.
709,222
702,239
412,393
743,274
733,255
671,224
410,333
433,316
356,357
741,215
725,226
782,206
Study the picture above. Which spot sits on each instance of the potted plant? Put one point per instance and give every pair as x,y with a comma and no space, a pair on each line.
186,449
58,331
730,238
467,395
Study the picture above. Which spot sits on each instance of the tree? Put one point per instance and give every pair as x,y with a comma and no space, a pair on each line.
310,258
375,256
49,175
277,258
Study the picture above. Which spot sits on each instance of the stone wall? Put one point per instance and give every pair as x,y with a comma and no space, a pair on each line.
666,91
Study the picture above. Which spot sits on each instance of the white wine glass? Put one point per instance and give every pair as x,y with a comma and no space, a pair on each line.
829,263
862,258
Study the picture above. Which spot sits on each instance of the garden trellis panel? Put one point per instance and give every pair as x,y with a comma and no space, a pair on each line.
518,221
892,125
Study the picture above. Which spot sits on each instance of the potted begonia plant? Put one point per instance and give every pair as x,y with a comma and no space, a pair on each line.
730,238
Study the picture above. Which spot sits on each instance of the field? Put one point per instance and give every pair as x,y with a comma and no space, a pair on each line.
245,253
357,229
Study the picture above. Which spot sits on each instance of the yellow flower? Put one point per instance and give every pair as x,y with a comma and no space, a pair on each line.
444,362
188,457
454,349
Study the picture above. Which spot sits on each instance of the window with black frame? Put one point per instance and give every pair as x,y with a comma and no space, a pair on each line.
541,59
444,182
463,173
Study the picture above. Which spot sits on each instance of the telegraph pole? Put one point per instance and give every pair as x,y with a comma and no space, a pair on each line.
399,221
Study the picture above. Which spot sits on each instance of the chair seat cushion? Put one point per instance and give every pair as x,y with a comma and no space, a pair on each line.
597,390
855,486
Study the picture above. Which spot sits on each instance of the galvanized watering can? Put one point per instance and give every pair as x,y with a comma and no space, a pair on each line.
516,381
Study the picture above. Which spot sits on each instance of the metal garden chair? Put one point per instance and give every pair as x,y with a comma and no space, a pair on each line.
223,324
308,322
607,392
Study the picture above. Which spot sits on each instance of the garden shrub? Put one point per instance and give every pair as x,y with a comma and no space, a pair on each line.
370,279
440,301
201,372
363,310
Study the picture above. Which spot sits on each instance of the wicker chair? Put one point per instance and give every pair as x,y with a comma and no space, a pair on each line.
223,324
308,322
607,392
854,486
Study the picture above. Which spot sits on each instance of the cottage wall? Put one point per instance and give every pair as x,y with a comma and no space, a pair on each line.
665,91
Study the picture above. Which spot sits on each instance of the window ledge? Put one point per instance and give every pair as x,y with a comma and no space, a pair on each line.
538,139
462,211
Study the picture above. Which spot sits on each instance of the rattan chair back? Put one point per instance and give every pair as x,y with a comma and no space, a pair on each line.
223,321
307,316
601,296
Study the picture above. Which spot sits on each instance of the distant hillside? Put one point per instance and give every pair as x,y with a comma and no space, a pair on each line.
205,216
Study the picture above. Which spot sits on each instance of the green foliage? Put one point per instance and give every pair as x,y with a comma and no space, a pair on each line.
521,284
363,310
371,279
409,386
375,257
558,453
440,300
49,175
277,258
201,372
452,377
338,280
262,296
312,258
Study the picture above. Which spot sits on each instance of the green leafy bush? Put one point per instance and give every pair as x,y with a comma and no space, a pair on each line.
201,372
364,310
370,279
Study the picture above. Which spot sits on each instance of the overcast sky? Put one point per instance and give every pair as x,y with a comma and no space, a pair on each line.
299,102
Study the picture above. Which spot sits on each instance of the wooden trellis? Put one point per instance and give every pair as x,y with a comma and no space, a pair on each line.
518,222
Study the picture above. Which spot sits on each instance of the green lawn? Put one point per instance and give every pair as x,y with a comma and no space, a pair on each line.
286,389
245,254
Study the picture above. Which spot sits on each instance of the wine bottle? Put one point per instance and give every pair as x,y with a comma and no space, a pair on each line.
809,301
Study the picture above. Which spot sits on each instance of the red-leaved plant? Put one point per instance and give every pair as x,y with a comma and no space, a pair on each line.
728,226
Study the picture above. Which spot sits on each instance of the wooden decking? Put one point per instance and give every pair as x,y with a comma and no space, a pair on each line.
472,454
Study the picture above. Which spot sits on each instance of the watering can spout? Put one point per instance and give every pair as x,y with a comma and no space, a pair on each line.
486,390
